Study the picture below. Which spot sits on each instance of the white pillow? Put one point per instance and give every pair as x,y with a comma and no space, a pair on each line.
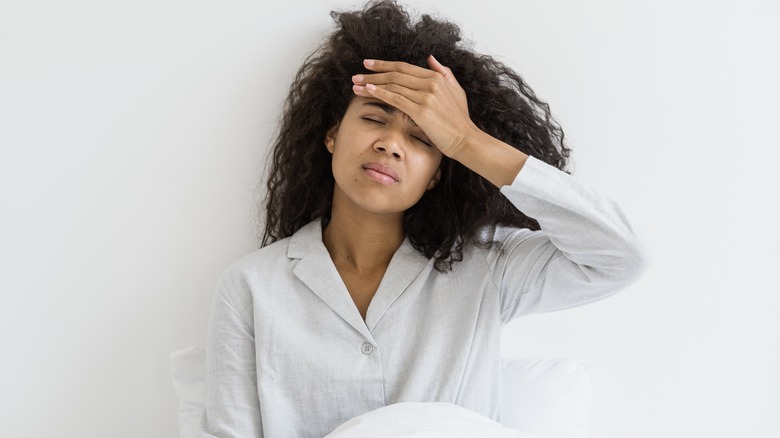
423,420
544,397
547,397
188,370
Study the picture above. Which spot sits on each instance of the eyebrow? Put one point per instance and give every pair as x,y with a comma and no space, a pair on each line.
389,109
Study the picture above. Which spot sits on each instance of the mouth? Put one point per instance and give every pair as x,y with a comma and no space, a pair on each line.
381,173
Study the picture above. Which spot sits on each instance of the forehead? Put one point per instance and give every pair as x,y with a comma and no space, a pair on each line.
366,103
363,102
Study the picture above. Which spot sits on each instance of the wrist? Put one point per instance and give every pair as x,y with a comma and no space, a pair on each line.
471,140
490,157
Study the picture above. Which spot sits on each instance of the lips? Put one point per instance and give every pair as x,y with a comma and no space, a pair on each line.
381,171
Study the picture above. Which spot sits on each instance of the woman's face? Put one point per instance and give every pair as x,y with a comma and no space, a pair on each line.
382,162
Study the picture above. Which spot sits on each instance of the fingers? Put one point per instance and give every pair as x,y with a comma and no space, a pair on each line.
395,72
397,83
396,99
401,67
444,71
436,66
404,80
407,86
414,96
403,73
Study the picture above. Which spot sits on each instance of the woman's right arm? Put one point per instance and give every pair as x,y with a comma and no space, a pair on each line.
232,406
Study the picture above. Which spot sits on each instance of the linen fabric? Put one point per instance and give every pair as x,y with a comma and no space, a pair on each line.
548,397
289,355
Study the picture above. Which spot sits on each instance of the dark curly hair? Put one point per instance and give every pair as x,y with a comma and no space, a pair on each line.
453,213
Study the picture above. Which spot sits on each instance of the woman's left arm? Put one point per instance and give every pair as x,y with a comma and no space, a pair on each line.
586,249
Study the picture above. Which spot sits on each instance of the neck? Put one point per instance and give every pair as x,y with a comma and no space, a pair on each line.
360,241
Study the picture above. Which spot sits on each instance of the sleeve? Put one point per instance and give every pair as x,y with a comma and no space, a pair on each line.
232,408
585,251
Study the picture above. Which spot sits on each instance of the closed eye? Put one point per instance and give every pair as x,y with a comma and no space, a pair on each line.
371,119
379,121
425,142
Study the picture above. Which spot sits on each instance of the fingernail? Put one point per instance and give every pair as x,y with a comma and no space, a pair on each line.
357,79
368,62
357,88
371,87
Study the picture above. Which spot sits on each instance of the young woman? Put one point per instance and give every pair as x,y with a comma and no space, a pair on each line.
417,202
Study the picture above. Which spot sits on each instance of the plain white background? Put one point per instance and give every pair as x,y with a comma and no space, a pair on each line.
133,136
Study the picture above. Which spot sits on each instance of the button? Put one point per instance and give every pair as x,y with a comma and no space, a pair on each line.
367,348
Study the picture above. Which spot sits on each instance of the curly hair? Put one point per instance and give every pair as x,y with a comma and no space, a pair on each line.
456,211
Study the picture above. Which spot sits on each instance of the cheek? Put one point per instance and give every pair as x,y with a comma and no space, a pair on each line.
425,166
339,167
344,165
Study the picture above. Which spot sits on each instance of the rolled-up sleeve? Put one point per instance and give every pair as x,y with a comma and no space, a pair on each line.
232,408
586,249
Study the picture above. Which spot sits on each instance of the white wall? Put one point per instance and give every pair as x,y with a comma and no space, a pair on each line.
133,135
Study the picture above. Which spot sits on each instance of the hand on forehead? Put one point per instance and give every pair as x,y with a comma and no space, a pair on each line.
431,97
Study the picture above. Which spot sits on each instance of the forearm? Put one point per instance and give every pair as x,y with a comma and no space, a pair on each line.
586,249
490,158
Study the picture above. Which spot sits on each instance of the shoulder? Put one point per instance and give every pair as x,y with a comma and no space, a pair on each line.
272,266
263,257
265,265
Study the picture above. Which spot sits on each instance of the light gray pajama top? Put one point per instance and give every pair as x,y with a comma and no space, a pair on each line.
289,355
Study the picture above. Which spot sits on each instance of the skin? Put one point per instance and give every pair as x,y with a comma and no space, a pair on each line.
425,117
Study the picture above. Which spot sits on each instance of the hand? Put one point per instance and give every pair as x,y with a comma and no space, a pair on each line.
433,98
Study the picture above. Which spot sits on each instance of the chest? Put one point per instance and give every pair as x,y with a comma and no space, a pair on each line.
436,338
427,347
362,287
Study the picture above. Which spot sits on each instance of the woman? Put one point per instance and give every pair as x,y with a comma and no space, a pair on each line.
417,202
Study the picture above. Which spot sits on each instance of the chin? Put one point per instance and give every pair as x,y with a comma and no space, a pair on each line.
380,202
380,205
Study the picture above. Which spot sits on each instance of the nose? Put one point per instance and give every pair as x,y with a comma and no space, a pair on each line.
391,143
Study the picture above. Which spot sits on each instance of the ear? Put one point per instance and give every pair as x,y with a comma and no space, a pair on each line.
330,138
435,179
